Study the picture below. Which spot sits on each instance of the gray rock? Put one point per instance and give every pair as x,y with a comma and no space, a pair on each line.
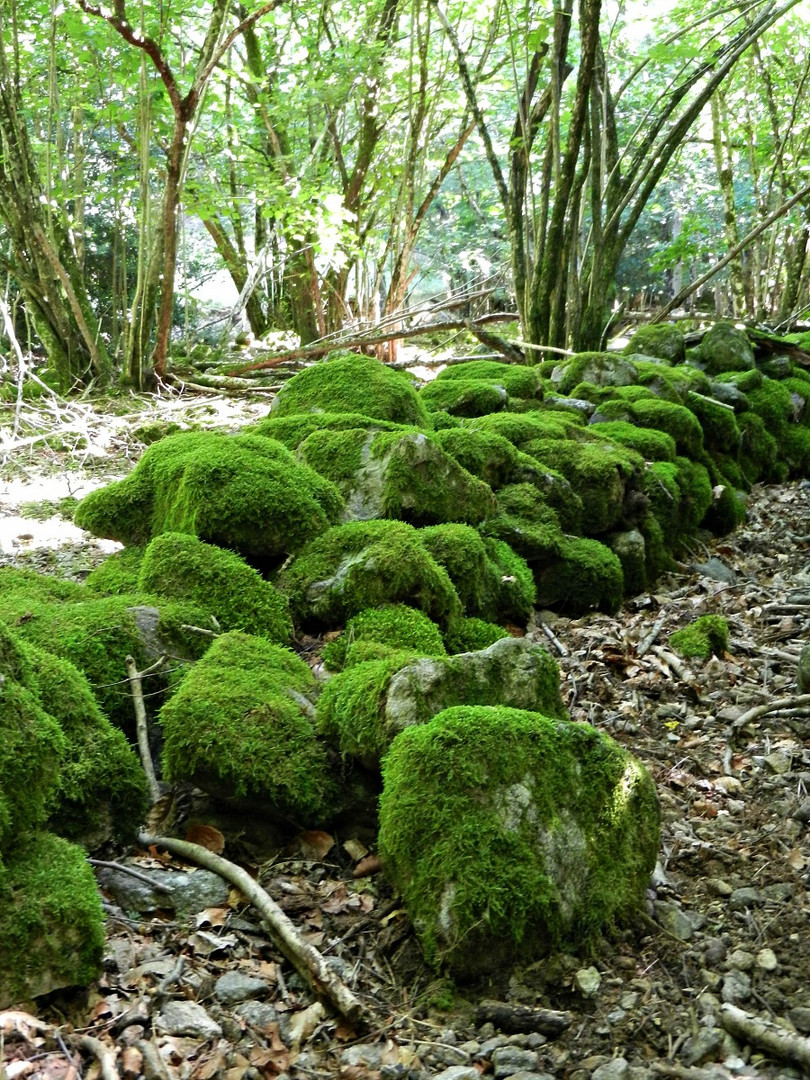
233,987
800,1018
459,1072
187,1018
701,1047
744,898
367,1054
187,893
617,1069
736,987
729,394
714,951
725,348
257,1014
673,920
507,1060
717,570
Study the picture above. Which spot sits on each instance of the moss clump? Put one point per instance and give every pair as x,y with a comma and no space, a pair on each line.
396,626
657,556
759,451
509,834
490,457
492,582
518,382
587,576
526,524
182,567
366,564
351,708
520,430
705,637
405,476
665,342
746,381
464,397
725,348
471,635
155,430
676,420
596,368
630,548
241,724
350,383
720,430
51,921
651,444
293,430
243,492
119,573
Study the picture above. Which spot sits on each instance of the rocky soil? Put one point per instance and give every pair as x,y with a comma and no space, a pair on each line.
194,988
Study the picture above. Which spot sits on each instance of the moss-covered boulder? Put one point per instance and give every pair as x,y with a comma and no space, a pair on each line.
181,567
464,397
367,705
630,547
706,636
721,433
597,368
726,348
667,416
51,920
492,581
118,574
406,476
509,834
527,524
489,456
665,342
585,576
396,626
518,381
365,564
347,382
242,492
241,726
651,444
472,635
294,429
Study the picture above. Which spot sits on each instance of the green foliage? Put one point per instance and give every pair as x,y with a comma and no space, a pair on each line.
396,626
243,492
510,833
706,636
182,567
241,723
350,383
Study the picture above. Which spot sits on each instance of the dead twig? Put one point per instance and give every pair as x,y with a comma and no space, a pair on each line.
307,961
141,725
798,701
768,1036
104,1056
647,642
156,885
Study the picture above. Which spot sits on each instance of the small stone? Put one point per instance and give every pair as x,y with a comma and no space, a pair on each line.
744,898
766,960
706,1044
741,960
588,981
459,1072
779,762
717,570
368,1055
617,1069
710,979
719,887
714,951
800,1018
233,987
257,1014
508,1060
489,1046
674,920
736,987
779,891
187,1018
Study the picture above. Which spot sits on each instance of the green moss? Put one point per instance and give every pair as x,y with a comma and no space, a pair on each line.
759,452
101,788
118,573
726,512
696,494
519,382
492,582
470,635
587,576
243,492
463,397
359,652
671,383
520,430
651,444
241,723
490,457
725,348
351,708
509,834
395,625
600,473
629,547
365,564
292,430
526,523
155,430
658,558
720,430
597,368
665,342
51,921
664,497
746,381
350,383
676,420
703,638
182,567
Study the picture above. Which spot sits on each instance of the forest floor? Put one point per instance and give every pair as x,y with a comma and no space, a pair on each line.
727,933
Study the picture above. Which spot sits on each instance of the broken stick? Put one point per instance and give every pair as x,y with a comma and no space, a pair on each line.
307,961
768,1036
141,725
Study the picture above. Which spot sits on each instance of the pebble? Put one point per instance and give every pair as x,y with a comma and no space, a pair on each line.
715,951
459,1072
233,987
507,1060
673,920
588,981
707,1043
368,1055
187,895
257,1014
743,898
800,1018
766,960
802,812
187,1018
741,960
617,1069
736,987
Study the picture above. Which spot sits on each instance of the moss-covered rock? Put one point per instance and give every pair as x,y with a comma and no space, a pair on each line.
490,457
509,834
51,920
406,476
721,433
630,547
661,340
243,492
293,430
725,348
705,637
367,705
651,444
586,576
521,429
527,524
464,397
519,382
396,626
759,451
347,382
365,564
472,635
118,574
181,567
596,368
241,725
492,581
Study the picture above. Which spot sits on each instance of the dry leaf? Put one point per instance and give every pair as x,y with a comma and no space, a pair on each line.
796,861
370,865
206,836
355,849
213,916
315,844
131,1061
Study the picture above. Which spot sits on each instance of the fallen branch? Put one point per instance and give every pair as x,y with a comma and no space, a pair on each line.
798,701
141,725
768,1036
647,642
306,959
105,1056
156,885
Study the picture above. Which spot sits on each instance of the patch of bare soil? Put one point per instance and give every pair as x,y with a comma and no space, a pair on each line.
713,982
